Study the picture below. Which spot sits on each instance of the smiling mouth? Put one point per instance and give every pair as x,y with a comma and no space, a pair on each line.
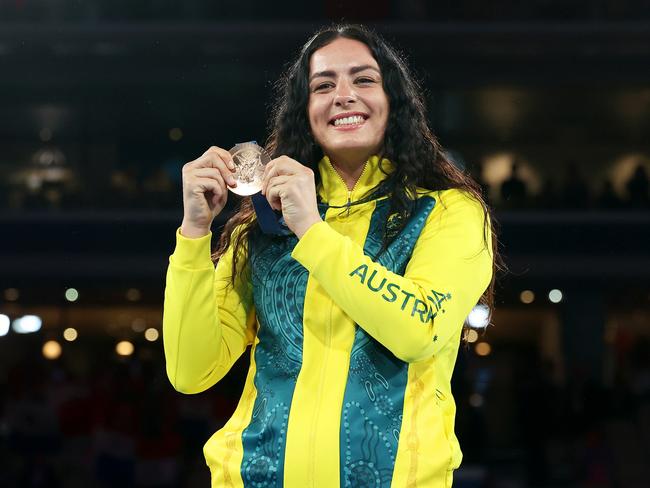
353,121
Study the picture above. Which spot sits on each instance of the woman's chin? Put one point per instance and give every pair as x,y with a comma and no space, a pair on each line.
351,147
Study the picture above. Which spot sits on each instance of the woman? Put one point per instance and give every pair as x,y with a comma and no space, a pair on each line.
355,317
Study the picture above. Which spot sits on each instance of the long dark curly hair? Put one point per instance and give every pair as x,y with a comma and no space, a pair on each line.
409,143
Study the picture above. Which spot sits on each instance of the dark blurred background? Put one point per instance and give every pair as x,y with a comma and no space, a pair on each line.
546,102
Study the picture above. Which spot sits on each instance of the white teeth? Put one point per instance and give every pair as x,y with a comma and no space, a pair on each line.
356,119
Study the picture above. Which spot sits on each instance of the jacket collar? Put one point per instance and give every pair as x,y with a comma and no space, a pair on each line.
333,189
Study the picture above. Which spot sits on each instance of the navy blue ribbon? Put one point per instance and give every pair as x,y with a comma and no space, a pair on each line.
269,220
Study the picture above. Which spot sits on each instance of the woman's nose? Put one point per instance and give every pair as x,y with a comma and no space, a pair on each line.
345,99
345,94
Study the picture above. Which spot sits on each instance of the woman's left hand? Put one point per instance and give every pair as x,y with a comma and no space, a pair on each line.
289,186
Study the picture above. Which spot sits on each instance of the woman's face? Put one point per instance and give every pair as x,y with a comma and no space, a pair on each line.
348,107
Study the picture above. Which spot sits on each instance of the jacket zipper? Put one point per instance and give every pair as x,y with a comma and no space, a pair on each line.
345,185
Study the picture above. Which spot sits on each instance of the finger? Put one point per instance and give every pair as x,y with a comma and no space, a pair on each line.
274,197
277,191
223,174
265,176
271,177
207,164
211,159
209,184
207,160
280,166
283,166
274,181
216,176
213,191
223,154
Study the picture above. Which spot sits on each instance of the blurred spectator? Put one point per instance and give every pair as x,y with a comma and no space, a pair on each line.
513,190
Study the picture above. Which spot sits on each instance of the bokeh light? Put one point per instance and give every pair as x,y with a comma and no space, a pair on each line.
11,294
124,348
527,296
175,134
479,317
151,334
52,350
27,324
70,334
71,294
5,323
483,349
133,294
471,336
555,295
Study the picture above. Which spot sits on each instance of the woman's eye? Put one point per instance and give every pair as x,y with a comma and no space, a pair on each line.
322,86
365,80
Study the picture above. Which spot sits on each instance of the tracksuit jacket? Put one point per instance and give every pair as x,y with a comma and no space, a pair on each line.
350,358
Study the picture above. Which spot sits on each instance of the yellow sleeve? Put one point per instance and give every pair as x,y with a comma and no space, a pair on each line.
207,324
413,315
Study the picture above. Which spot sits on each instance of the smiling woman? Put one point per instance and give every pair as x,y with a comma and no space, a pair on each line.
354,317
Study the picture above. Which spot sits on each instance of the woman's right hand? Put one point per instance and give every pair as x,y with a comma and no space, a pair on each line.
205,191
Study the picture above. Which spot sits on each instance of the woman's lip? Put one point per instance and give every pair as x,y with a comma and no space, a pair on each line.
347,127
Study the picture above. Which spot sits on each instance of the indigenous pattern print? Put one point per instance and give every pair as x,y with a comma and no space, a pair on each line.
279,284
374,396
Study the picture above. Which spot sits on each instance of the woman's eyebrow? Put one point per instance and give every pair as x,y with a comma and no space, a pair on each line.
353,70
